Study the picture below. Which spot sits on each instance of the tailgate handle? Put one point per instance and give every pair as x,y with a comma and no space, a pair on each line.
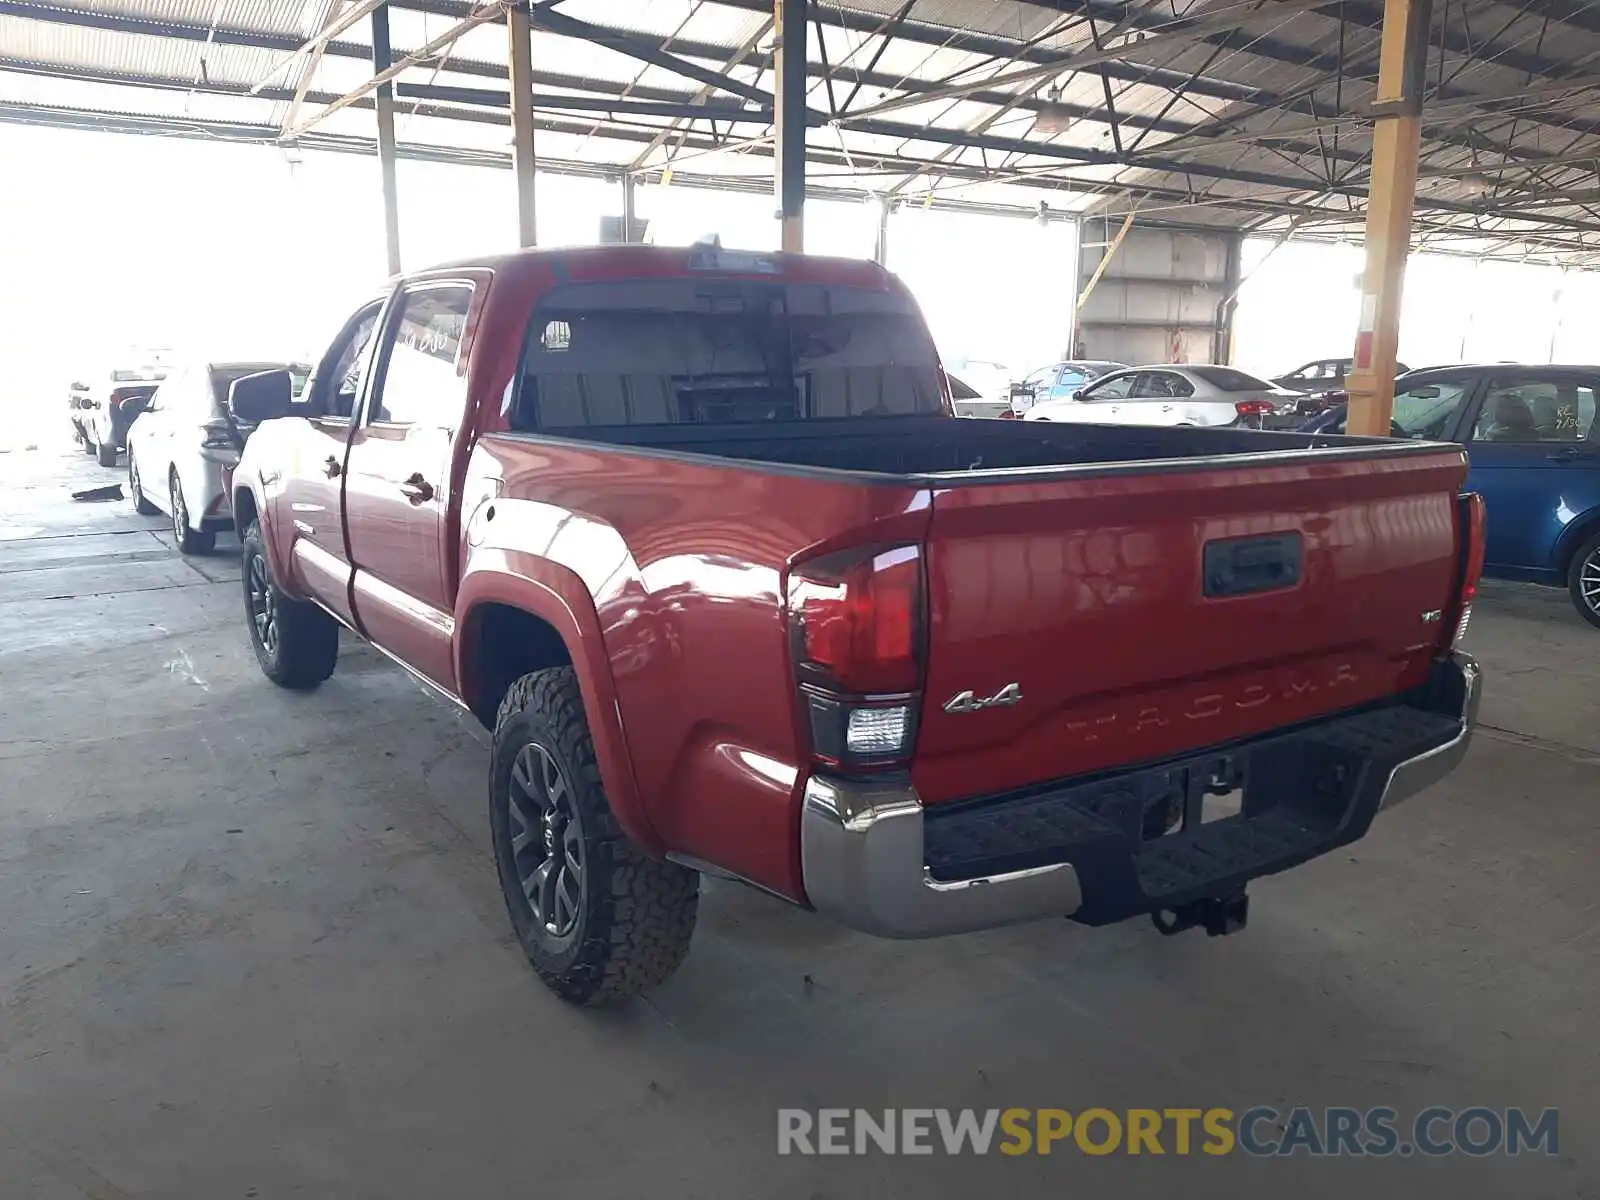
1239,566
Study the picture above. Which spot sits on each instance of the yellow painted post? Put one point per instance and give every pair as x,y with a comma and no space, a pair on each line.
384,101
789,124
519,56
1391,193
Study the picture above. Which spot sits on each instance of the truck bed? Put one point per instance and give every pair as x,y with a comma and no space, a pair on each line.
1149,591
921,449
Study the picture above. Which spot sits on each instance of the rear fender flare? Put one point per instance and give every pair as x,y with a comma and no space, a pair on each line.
556,595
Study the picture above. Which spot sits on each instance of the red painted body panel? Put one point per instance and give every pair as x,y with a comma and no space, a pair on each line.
664,575
311,510
1088,594
397,545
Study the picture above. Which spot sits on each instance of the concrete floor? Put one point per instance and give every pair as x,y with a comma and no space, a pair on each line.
251,946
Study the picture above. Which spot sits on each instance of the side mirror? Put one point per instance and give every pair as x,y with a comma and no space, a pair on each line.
263,396
1078,395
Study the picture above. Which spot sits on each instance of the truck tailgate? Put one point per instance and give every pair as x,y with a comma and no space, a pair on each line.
1158,609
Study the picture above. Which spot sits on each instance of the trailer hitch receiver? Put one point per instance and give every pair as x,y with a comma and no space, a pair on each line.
1217,915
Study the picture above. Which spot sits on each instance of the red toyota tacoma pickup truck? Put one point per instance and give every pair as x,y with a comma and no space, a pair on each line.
696,535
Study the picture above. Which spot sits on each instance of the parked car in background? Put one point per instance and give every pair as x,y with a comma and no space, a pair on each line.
181,447
968,400
1056,382
1182,394
103,408
1323,383
1534,455
988,382
694,534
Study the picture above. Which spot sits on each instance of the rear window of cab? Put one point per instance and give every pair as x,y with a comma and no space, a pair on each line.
719,351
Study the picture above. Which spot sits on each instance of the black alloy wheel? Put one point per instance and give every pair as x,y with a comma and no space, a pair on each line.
546,841
263,609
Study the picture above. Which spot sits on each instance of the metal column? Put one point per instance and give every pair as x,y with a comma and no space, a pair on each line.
630,219
1402,68
520,61
880,246
789,19
1222,337
382,59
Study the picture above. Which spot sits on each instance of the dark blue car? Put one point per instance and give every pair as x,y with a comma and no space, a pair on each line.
1535,453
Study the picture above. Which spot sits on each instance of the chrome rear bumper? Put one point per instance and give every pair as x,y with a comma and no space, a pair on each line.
861,854
1425,770
864,863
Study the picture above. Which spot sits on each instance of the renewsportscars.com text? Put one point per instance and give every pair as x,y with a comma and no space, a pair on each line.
1260,1131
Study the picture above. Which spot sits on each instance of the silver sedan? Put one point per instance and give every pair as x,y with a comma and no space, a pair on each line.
1176,394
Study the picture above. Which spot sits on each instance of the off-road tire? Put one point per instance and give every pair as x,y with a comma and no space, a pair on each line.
1575,581
304,646
636,915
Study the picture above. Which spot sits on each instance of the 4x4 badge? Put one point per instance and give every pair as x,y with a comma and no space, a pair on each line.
966,702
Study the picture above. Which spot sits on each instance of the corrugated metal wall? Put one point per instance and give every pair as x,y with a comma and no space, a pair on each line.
1158,298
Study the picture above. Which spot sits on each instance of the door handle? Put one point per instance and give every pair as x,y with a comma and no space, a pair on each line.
417,489
331,467
1567,454
1166,408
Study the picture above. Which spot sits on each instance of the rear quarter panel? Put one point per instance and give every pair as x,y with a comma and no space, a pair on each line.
667,575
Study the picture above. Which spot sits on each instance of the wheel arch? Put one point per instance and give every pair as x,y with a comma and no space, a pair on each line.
1578,531
514,621
247,507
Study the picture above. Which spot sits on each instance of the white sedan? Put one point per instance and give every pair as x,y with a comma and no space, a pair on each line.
1181,394
181,445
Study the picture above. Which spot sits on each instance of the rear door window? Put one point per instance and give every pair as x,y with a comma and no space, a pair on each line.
689,352
1536,410
1162,385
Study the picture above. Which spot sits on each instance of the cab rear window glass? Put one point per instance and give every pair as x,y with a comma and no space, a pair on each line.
681,352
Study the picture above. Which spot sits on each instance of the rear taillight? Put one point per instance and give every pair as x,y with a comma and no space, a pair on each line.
1254,408
856,637
217,442
1474,539
1011,414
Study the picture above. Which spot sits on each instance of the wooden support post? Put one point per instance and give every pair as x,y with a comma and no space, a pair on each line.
519,52
789,19
1402,69
382,60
